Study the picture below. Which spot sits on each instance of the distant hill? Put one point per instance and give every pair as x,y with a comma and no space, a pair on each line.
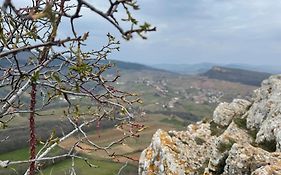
273,69
186,68
200,68
119,65
122,65
125,67
236,75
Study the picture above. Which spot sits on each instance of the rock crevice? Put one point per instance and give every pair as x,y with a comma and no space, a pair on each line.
244,138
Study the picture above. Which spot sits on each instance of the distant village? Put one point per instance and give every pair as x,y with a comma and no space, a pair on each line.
194,94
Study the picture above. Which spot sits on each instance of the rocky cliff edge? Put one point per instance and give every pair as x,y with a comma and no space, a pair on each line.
243,138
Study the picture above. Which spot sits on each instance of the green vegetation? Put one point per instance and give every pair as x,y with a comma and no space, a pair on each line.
253,133
82,168
173,121
269,146
200,110
225,146
22,154
105,167
240,122
158,115
216,129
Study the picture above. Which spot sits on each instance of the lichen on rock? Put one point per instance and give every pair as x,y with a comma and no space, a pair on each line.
225,112
267,102
177,153
244,138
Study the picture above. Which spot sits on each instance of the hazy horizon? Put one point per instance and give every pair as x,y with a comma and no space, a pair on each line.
214,63
196,31
216,31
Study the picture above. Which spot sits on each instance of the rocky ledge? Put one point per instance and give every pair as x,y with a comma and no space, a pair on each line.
243,138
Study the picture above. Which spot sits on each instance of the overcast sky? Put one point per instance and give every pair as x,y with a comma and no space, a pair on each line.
194,31
221,31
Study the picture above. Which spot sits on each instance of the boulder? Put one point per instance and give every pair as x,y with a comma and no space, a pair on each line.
184,152
245,159
223,143
225,112
244,138
266,103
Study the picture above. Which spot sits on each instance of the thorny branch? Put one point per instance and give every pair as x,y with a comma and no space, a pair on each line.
34,55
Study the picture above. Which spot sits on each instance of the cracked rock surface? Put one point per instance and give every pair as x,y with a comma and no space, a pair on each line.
244,138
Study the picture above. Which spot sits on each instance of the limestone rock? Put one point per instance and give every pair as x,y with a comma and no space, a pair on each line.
223,143
177,153
246,159
238,141
270,130
267,102
225,112
274,169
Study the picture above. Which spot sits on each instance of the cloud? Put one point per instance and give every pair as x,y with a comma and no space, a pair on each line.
191,31
221,31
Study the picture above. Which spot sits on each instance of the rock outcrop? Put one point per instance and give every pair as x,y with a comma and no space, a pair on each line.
177,152
244,138
225,112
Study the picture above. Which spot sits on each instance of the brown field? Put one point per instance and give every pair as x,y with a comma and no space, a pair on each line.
131,147
185,111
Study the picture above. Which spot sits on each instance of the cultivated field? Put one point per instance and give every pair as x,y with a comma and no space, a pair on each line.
170,102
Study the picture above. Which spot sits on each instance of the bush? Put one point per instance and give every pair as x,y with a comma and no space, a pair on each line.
216,129
226,146
241,122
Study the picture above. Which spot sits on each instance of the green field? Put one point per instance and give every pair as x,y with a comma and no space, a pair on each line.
82,168
104,167
159,114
